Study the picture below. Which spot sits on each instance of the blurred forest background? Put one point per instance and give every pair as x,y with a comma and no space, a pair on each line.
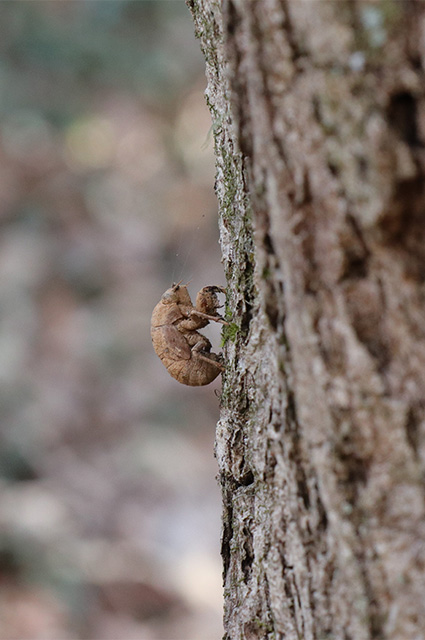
109,507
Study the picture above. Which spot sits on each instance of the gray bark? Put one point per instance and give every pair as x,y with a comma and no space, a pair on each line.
319,121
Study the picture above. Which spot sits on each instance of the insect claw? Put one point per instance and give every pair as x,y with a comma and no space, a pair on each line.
218,288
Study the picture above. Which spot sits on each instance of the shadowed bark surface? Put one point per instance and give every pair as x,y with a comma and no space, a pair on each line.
319,121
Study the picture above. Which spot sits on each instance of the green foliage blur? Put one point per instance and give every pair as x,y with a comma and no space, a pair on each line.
88,46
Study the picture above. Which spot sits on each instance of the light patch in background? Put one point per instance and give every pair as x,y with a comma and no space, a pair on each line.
198,576
90,143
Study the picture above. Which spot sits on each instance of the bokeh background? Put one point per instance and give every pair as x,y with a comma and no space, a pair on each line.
109,507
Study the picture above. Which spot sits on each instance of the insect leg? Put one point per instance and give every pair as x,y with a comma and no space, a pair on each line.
211,361
195,312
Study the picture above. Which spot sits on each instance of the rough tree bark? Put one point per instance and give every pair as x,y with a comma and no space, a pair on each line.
319,118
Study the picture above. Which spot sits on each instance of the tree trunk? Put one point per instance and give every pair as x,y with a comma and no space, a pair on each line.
319,121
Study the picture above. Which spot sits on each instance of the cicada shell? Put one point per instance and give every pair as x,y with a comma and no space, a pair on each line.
184,351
